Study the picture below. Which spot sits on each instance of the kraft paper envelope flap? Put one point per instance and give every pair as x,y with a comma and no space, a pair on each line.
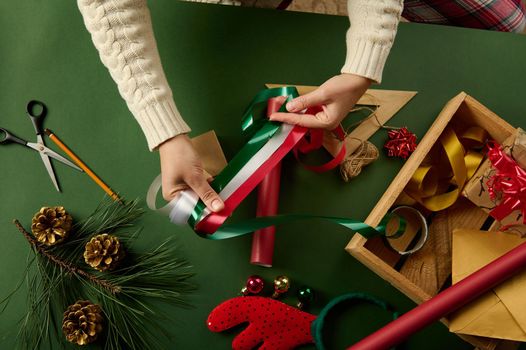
210,152
496,314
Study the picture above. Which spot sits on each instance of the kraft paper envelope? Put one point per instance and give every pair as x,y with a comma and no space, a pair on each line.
210,152
500,313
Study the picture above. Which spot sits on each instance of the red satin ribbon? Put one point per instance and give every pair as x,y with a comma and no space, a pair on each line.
314,141
295,141
508,183
212,222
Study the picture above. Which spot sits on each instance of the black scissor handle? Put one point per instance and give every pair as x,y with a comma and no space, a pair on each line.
6,137
36,117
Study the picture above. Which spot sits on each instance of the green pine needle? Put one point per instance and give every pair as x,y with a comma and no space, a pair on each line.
142,281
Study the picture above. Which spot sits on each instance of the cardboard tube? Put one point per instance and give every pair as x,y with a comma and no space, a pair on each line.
446,302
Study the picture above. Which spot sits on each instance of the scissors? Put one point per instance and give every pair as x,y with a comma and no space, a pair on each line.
7,137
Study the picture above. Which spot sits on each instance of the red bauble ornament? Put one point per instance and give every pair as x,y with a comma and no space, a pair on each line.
254,285
401,143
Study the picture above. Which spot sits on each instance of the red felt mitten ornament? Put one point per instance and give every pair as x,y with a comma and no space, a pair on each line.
278,326
271,323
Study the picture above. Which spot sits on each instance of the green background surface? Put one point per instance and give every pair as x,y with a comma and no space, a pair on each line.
216,58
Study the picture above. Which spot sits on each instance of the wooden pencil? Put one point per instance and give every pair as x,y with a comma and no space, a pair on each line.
82,165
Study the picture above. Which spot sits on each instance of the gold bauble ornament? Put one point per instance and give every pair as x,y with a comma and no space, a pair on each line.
51,225
103,252
281,285
82,322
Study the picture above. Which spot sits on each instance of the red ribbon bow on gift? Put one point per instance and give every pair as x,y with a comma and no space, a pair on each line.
508,182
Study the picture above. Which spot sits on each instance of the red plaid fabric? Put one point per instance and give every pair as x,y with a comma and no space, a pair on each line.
501,15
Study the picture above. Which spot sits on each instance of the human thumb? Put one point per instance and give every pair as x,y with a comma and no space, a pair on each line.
207,194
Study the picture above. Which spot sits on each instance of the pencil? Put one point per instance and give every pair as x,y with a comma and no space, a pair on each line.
82,165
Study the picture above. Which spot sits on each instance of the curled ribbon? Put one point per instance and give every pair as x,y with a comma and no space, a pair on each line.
269,142
436,188
507,183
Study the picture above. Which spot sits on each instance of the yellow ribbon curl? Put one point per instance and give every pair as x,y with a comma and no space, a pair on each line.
437,184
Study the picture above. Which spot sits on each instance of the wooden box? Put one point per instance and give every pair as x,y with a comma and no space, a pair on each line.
424,273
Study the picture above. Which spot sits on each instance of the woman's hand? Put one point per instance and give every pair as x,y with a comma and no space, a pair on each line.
337,96
180,165
181,169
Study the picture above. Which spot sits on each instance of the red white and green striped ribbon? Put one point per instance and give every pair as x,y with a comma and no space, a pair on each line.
269,142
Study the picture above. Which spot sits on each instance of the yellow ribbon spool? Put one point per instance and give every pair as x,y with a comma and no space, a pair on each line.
433,185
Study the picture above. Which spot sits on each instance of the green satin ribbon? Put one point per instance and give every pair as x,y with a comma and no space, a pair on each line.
249,122
251,225
261,129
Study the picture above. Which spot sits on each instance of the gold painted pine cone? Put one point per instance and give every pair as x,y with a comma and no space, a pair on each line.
82,322
103,252
51,225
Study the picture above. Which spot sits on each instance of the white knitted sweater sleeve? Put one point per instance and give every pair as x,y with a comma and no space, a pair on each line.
122,33
371,35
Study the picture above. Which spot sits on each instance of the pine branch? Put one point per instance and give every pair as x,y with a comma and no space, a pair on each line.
112,288
128,296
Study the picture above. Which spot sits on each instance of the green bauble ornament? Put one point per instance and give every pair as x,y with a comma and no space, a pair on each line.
305,296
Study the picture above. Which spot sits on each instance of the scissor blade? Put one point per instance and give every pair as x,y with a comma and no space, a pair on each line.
50,153
61,159
40,146
49,169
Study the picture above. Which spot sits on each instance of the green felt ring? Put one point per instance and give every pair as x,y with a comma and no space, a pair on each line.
318,324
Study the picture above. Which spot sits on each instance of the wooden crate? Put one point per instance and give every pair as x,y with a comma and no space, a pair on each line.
422,275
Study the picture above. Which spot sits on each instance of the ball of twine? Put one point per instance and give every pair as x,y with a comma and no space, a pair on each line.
353,164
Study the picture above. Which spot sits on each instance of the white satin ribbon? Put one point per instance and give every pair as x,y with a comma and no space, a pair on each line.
181,207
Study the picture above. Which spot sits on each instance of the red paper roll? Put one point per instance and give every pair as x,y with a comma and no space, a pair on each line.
446,302
268,199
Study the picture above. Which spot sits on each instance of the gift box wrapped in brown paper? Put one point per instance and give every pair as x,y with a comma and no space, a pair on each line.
476,190
496,314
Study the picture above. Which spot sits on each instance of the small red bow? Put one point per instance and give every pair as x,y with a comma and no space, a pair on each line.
401,143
